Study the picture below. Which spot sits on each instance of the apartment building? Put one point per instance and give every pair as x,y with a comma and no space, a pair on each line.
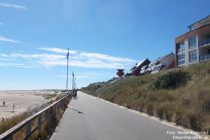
194,46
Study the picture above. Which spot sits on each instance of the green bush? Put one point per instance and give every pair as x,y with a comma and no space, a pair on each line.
171,79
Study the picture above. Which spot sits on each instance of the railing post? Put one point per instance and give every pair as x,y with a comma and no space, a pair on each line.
39,125
28,130
10,137
46,115
39,117
63,103
55,108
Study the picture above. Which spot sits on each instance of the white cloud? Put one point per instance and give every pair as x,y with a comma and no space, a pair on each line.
3,55
58,50
105,57
49,57
88,75
10,64
9,5
76,59
19,65
95,64
5,39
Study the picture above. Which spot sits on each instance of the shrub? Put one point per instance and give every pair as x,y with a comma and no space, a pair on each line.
204,98
165,111
149,109
171,79
196,121
186,101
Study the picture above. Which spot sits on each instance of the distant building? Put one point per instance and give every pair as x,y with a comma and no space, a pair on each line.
137,68
164,63
120,72
150,67
194,46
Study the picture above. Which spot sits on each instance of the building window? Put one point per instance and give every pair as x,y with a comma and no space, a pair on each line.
192,42
193,56
182,62
181,48
181,59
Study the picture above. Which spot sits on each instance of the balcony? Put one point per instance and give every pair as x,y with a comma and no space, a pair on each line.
205,42
181,51
204,57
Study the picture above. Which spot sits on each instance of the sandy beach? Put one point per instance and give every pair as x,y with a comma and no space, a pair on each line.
21,100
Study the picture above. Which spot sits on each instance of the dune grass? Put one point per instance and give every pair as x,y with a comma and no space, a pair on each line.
47,128
181,95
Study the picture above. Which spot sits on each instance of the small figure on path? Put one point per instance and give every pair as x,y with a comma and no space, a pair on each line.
4,104
13,108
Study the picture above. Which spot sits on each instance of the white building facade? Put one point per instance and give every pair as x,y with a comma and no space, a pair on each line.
194,46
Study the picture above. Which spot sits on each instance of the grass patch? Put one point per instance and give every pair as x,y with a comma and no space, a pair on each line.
47,128
49,96
7,123
181,95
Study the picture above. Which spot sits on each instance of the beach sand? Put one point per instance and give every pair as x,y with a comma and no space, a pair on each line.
22,100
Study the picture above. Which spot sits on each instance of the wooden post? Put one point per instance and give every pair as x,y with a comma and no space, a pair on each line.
10,137
28,130
46,115
39,125
40,116
55,109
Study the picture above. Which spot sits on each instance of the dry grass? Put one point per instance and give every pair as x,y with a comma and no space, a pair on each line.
8,123
180,95
47,128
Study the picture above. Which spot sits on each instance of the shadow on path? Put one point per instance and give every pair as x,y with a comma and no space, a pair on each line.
77,111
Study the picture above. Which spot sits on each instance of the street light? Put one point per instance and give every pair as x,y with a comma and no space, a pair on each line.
67,73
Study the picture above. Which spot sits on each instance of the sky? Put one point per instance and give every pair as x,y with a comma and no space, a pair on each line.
102,35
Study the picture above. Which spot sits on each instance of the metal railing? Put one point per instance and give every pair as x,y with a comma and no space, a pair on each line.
204,42
40,118
182,50
204,57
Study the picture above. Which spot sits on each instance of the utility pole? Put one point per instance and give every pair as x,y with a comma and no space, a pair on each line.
73,81
75,84
67,78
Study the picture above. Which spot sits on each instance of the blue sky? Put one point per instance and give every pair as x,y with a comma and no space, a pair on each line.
102,35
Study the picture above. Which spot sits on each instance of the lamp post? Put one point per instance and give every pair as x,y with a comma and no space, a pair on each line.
67,73
73,81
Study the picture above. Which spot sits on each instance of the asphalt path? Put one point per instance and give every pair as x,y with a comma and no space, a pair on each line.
91,118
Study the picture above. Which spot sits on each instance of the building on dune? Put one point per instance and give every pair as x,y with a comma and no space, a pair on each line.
190,48
146,66
194,46
165,62
135,71
162,63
